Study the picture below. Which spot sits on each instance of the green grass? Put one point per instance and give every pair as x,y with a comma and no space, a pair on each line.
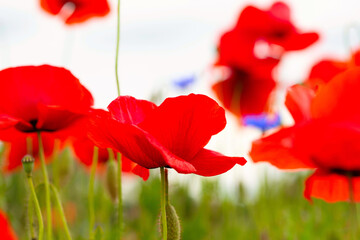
277,211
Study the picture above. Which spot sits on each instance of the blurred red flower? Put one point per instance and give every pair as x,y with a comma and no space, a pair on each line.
325,137
251,51
82,9
16,147
84,148
324,70
6,232
271,28
39,98
170,135
243,94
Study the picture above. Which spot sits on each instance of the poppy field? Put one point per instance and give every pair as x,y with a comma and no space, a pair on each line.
116,125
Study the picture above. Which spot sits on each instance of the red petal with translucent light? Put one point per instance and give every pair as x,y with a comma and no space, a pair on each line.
185,124
331,187
298,102
279,150
210,163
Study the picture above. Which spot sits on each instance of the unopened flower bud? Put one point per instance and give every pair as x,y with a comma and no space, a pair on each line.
173,223
28,164
110,181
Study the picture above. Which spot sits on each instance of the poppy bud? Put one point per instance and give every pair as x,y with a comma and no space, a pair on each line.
173,223
110,181
28,164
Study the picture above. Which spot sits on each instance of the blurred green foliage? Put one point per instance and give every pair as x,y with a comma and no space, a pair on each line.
277,211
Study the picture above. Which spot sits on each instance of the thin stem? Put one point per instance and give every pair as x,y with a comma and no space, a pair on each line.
37,207
117,49
91,193
31,219
353,210
163,202
120,207
61,211
47,188
166,187
29,145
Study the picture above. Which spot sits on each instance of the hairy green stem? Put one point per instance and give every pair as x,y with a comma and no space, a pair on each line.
120,207
61,211
117,49
47,188
163,202
37,208
91,193
31,219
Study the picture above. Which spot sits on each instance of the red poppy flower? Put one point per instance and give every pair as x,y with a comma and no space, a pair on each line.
243,94
84,148
6,232
171,135
83,9
42,98
16,147
272,28
326,138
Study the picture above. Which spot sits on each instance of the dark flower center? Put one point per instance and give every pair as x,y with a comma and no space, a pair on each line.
350,173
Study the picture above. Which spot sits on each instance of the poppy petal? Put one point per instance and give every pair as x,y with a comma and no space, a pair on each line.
278,149
16,149
142,172
136,144
6,232
336,99
298,41
210,163
298,101
24,88
127,109
88,10
185,124
331,187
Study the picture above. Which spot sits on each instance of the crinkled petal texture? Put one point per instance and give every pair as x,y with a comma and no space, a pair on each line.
242,94
6,231
84,147
332,187
15,143
44,98
171,135
279,149
298,102
83,9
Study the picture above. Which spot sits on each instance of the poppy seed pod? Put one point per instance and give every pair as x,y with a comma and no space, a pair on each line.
28,164
173,223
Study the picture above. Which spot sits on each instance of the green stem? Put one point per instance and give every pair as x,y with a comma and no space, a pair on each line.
353,210
91,193
47,188
166,187
31,219
61,211
117,49
163,202
120,207
29,146
37,207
